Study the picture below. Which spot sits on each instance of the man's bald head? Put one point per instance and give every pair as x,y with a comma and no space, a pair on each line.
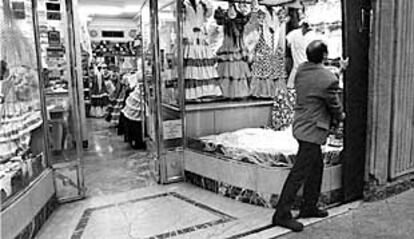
316,51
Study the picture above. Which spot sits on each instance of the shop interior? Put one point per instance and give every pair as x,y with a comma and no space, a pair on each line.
110,97
229,82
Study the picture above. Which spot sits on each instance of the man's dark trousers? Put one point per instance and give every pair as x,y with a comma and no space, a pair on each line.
307,170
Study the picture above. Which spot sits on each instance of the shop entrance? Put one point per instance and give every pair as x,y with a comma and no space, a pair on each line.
94,91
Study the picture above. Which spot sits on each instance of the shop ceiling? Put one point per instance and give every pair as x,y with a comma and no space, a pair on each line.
110,8
113,8
130,8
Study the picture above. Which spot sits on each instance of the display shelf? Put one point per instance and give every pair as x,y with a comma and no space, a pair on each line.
218,117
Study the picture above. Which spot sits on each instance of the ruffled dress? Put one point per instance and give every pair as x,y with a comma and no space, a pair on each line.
232,68
133,106
19,113
268,72
200,74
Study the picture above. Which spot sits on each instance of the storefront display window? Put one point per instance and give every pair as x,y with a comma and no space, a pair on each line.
245,114
245,48
224,78
22,148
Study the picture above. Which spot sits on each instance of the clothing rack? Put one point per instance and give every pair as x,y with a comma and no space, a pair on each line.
269,3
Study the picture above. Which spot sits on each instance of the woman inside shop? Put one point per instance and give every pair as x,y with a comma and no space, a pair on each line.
99,91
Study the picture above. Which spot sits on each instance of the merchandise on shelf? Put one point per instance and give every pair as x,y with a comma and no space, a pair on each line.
108,48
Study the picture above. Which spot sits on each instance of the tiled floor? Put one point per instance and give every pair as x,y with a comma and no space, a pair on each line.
110,164
124,201
172,211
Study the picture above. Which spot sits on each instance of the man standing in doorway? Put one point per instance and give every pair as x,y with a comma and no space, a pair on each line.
317,108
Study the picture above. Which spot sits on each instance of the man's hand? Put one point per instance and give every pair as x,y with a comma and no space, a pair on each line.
343,115
343,63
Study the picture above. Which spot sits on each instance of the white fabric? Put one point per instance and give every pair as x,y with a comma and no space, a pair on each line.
5,183
298,43
195,18
258,140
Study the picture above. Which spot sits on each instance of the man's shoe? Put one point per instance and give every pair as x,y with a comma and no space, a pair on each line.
316,212
291,224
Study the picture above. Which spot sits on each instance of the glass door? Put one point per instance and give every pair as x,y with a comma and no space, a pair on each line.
171,102
62,94
160,33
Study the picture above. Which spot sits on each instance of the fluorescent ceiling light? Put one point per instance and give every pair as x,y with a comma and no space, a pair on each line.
107,10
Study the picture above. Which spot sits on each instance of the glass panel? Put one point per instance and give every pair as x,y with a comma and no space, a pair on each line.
147,64
58,56
148,90
161,73
172,123
22,149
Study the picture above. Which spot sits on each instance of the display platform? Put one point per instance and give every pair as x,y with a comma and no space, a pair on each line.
218,117
251,183
24,217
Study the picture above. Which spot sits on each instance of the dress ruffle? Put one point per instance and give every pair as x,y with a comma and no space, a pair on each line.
196,88
133,106
200,73
234,78
17,121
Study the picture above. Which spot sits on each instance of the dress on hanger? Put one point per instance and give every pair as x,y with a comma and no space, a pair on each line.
268,68
232,68
200,74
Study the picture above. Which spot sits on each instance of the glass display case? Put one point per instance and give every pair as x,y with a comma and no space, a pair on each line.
23,156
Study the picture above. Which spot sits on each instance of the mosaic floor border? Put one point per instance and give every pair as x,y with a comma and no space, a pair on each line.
223,217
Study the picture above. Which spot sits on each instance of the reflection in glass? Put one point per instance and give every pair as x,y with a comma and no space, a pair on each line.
22,152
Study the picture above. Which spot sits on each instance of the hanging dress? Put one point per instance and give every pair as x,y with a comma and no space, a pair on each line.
200,74
232,68
99,93
268,71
